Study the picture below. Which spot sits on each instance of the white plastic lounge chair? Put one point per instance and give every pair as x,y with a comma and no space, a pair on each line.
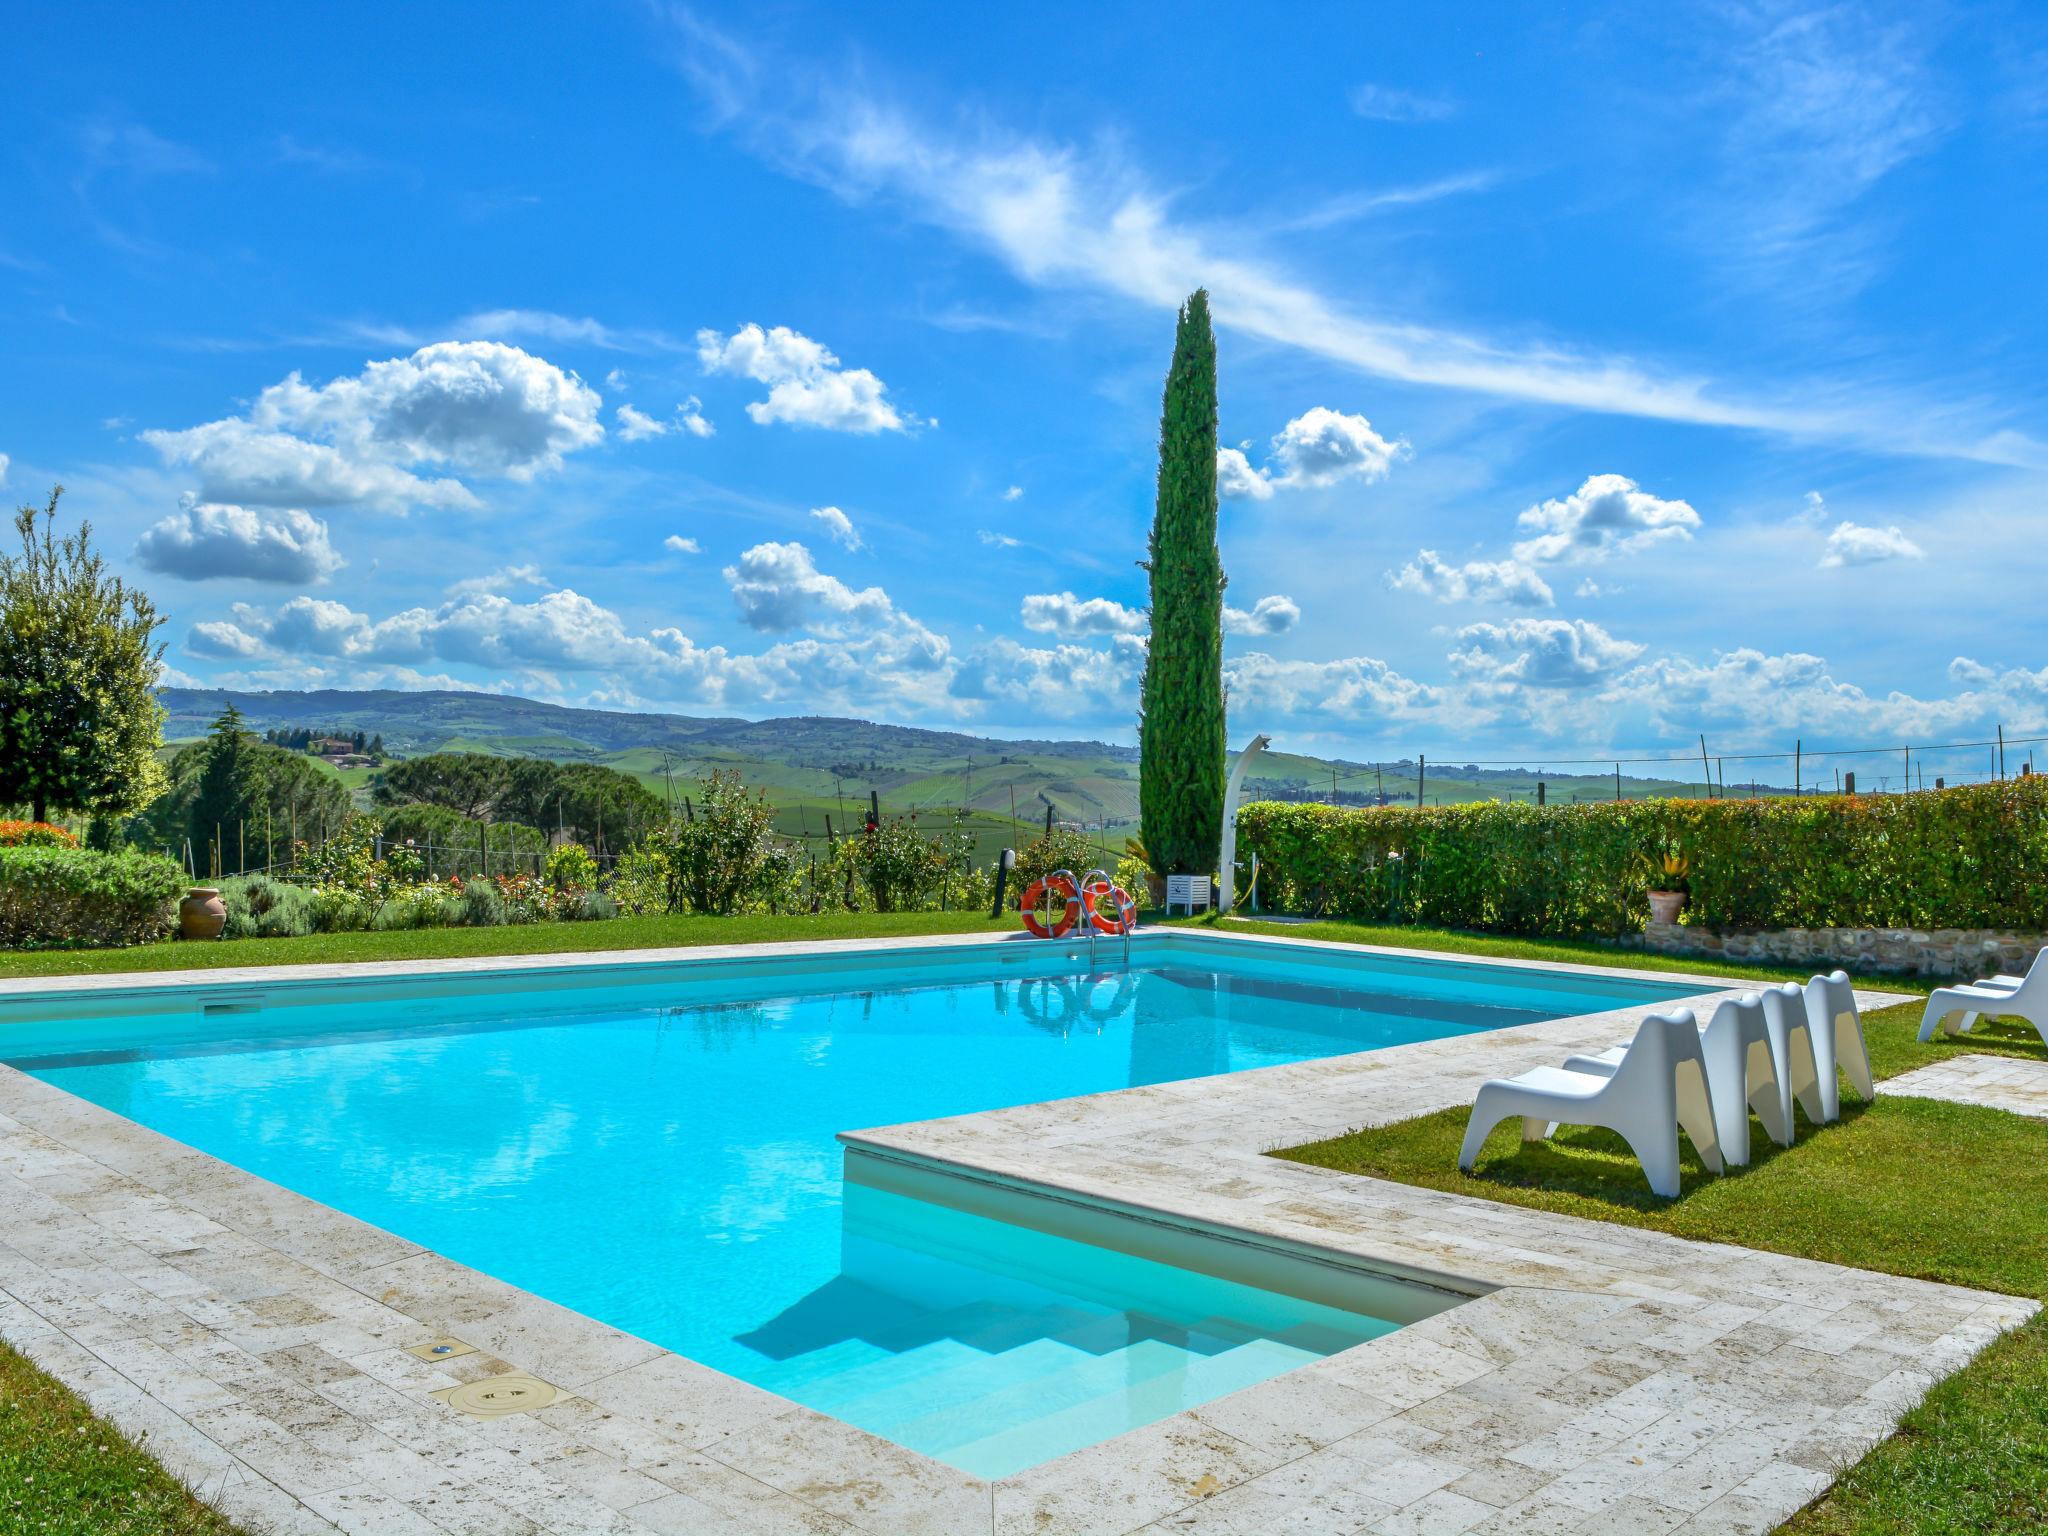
1837,1030
2028,1000
1792,1044
1743,1073
1659,1085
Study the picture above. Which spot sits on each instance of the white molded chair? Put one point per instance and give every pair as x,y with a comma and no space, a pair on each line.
1659,1084
1792,1044
2027,1000
1743,1074
1836,1026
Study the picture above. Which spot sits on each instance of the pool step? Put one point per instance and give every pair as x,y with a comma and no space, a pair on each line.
1033,1435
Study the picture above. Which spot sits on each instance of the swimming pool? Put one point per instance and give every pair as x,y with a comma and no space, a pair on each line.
654,1146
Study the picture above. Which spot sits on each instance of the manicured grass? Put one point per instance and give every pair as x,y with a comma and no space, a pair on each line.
64,1472
524,939
1457,941
1940,1191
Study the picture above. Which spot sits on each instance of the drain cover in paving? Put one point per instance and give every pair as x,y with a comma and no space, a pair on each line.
440,1349
496,1396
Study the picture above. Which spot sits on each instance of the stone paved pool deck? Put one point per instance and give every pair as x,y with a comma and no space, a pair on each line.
1997,1082
1602,1378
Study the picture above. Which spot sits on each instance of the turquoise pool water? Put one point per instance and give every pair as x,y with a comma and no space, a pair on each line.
654,1147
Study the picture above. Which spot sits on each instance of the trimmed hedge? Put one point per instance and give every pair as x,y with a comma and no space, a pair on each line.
1971,857
80,896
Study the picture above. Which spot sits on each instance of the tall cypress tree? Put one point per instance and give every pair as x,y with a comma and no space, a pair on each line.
1180,719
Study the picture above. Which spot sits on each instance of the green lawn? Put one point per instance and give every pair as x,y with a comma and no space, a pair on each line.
64,1472
524,939
1940,1191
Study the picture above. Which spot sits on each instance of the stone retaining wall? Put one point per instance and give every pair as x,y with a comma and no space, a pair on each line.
1937,952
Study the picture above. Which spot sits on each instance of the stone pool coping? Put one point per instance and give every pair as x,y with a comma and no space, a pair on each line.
1611,1378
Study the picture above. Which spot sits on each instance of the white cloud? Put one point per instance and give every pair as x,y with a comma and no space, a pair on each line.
682,546
1389,104
1065,682
240,463
1482,581
503,579
1272,615
202,540
1854,544
806,385
4,462
1011,494
1318,448
691,416
636,425
1607,515
1541,653
1358,690
545,325
1062,613
1061,217
616,379
779,587
475,406
996,540
839,526
1813,508
217,638
1236,480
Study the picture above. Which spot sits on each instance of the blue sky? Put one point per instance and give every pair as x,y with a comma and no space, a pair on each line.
1591,378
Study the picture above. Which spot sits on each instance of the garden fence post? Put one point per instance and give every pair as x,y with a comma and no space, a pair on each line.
1421,773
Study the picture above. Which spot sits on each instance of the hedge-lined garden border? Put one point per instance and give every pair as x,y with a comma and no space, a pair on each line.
1975,856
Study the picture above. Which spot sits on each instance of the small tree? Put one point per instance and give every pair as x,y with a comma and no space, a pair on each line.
231,789
1180,708
80,724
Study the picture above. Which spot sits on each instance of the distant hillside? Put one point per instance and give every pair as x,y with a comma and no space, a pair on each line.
814,767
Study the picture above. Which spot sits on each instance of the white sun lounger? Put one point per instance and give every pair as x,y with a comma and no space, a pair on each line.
1743,1073
1659,1085
1837,1030
2028,1000
1792,1043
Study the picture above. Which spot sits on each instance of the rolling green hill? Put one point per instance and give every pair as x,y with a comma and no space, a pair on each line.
815,767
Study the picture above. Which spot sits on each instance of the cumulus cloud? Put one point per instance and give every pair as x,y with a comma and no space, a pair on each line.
218,638
1065,681
204,540
1813,508
1273,615
503,579
476,407
1318,448
1062,613
1607,515
1236,480
1011,494
635,425
1355,689
1484,581
1854,544
839,526
779,587
4,462
806,385
1540,653
682,546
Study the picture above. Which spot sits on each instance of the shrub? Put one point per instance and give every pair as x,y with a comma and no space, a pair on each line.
1971,857
34,834
713,860
571,865
480,905
81,896
639,882
260,907
1062,848
903,869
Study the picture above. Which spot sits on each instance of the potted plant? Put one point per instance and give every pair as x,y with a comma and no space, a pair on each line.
1669,891
1137,862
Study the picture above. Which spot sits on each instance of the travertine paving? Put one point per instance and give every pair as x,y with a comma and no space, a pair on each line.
1998,1082
1603,1379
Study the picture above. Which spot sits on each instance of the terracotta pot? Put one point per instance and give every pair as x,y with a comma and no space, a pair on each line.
1664,906
202,914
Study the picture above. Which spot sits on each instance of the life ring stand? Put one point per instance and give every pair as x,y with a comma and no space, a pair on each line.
1122,916
1060,886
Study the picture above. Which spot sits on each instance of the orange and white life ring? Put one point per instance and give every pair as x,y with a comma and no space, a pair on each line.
1058,888
1117,902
